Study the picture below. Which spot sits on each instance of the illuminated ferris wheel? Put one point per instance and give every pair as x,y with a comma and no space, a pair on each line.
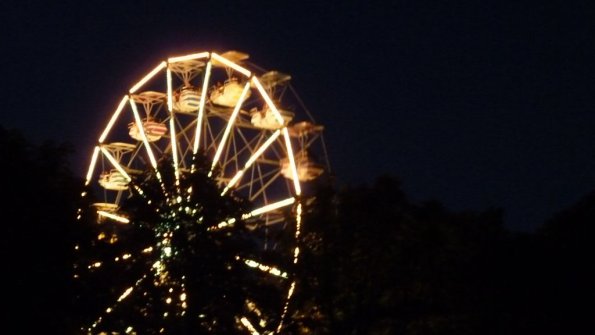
261,144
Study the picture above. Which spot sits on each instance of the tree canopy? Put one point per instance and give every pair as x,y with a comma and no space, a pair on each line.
374,262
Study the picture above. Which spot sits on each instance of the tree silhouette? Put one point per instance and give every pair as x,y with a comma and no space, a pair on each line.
183,273
372,260
38,208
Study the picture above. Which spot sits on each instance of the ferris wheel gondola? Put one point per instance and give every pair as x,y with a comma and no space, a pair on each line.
259,145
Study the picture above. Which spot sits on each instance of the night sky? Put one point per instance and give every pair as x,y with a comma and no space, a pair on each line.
476,104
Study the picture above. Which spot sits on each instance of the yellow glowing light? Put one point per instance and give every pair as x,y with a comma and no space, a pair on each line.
139,124
91,166
115,163
113,119
125,294
183,297
223,224
296,253
269,207
188,57
291,289
168,300
201,108
96,265
108,310
298,221
126,256
147,250
296,182
148,77
229,125
114,217
268,100
129,330
285,308
157,265
265,268
231,64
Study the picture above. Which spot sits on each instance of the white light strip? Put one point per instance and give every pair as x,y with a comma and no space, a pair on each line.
188,57
113,119
229,125
251,161
201,109
265,268
170,102
125,294
148,77
92,165
249,326
174,147
223,224
172,127
113,216
262,149
285,308
233,181
268,100
231,64
296,181
298,220
141,128
115,163
269,207
298,227
122,297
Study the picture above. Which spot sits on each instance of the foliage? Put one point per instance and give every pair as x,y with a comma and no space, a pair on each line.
38,210
175,221
372,261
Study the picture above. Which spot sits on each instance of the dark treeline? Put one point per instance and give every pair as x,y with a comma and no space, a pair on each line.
390,266
374,262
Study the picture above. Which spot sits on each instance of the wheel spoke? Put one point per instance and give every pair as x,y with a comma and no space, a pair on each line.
113,119
229,126
239,117
201,108
148,77
251,161
92,165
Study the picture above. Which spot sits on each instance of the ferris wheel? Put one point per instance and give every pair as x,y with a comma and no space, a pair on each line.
261,143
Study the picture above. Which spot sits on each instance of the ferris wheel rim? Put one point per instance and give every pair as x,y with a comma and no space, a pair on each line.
280,137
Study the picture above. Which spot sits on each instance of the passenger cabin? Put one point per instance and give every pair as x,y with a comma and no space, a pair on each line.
307,169
113,180
304,128
188,100
153,130
228,94
266,119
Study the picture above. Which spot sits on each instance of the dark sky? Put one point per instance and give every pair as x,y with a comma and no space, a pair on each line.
474,103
